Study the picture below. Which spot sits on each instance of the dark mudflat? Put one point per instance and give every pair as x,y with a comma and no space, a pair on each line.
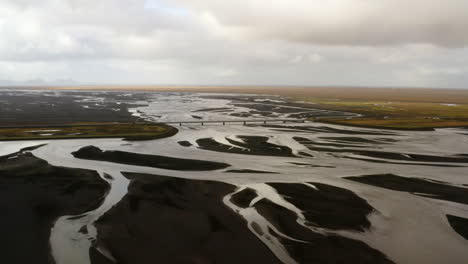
310,144
212,109
314,247
251,145
173,220
244,197
33,194
403,163
325,129
185,143
422,187
329,206
146,160
311,165
360,140
459,224
29,108
333,144
170,220
249,171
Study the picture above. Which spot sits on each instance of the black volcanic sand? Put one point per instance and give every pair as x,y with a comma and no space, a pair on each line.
185,143
146,160
328,207
360,140
422,187
44,108
171,220
272,108
402,163
252,145
324,129
382,154
315,247
328,144
244,197
459,224
249,171
219,109
311,165
33,194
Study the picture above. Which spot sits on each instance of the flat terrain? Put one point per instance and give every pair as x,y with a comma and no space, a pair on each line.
397,108
33,195
260,193
128,131
345,93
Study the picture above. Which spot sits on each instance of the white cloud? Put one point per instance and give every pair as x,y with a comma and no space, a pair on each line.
295,42
343,22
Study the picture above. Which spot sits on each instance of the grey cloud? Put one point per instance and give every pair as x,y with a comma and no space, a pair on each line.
335,42
344,22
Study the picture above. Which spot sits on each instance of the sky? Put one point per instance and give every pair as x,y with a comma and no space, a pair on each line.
397,43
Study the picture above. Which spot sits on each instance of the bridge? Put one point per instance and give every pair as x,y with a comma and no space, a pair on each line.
147,122
244,122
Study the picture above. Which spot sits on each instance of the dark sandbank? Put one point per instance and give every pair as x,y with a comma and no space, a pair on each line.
328,207
249,171
311,165
459,224
33,194
271,106
170,220
44,108
314,247
251,145
360,140
382,154
421,187
325,129
403,163
185,143
212,109
146,160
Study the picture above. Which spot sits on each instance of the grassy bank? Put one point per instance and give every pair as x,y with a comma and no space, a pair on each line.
393,108
128,131
396,115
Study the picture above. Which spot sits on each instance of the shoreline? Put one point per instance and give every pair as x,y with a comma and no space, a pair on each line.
168,131
448,107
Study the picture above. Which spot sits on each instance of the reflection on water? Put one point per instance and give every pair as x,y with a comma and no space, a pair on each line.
331,152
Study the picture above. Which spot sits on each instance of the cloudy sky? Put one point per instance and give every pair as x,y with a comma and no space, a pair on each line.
421,43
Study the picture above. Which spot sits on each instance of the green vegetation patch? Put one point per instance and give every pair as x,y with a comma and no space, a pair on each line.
395,115
399,123
128,131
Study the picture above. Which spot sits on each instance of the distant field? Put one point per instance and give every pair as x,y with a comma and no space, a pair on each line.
126,131
399,108
398,115
325,93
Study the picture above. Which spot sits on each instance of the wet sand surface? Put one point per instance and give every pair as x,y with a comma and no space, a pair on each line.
248,145
57,108
171,220
163,162
459,224
33,194
422,187
285,193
